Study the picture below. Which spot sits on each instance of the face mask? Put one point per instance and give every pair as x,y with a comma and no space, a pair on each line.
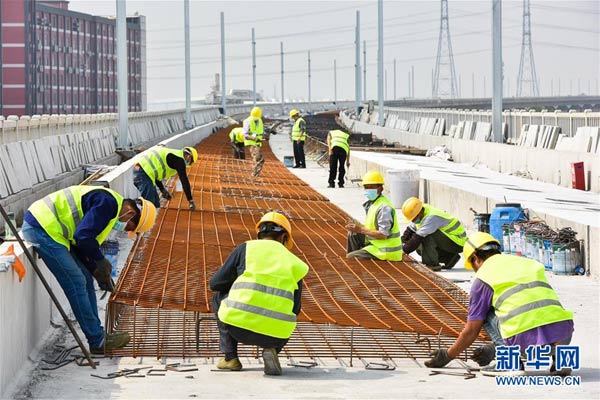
371,194
188,163
416,221
120,226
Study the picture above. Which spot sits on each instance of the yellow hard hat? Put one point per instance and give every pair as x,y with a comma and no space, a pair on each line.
256,112
477,241
281,221
411,208
293,112
147,217
193,152
372,178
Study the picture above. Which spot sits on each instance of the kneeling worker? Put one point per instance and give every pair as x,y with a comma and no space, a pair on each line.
436,235
236,136
513,301
379,238
159,163
258,291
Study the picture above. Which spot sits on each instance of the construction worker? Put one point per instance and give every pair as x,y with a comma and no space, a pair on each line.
339,153
253,137
67,228
236,136
379,237
512,300
436,235
257,294
159,163
298,138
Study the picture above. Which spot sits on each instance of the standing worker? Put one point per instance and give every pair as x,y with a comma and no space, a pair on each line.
436,235
379,238
298,138
513,301
236,136
67,228
257,294
159,163
253,135
339,153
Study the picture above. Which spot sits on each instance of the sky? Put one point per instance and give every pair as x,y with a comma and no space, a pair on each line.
565,39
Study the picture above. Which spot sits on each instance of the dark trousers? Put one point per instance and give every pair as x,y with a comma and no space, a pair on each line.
338,156
299,154
438,248
147,188
238,150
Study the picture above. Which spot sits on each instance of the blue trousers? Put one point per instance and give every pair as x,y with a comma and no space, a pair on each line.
146,187
73,277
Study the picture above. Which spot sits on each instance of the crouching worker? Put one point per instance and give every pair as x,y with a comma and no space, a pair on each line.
258,291
513,301
379,238
67,228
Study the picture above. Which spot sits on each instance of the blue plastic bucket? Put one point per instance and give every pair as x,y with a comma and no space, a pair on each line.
505,214
288,161
110,250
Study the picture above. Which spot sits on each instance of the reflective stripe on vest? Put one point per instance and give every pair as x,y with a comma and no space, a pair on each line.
384,249
154,162
339,139
255,129
523,299
296,130
262,298
451,228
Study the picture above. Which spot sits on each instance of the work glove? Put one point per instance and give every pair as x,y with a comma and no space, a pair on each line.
408,233
483,355
166,194
102,275
192,205
439,358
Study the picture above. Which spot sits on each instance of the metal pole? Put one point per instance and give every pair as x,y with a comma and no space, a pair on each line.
335,81
357,71
552,87
365,70
558,87
309,94
409,87
122,72
380,59
253,68
497,70
282,107
223,80
412,80
188,79
385,85
395,79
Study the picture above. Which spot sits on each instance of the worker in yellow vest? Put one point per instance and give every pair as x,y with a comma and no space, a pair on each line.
67,228
257,294
339,153
159,163
513,301
436,235
298,138
253,138
236,138
379,238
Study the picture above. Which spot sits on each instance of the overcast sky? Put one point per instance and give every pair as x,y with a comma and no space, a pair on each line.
565,35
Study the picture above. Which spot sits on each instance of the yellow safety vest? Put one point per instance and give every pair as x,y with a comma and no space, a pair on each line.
154,162
384,249
453,228
296,130
60,212
523,299
262,298
237,135
339,139
255,129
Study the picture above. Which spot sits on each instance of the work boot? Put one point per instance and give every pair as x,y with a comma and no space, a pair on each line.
331,185
112,341
340,185
561,372
271,360
434,268
232,365
452,262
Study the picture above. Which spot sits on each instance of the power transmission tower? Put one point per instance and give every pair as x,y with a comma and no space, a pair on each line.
527,85
445,76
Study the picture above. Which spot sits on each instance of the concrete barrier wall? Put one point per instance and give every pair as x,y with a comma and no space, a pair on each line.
274,109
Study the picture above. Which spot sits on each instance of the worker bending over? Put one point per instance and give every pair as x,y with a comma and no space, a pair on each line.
379,238
236,136
339,153
253,135
298,138
159,163
512,300
257,294
67,228
436,235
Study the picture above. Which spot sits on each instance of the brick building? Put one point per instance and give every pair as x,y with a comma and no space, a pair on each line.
58,61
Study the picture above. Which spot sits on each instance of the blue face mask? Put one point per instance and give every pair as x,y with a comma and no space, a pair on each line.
371,194
417,220
120,226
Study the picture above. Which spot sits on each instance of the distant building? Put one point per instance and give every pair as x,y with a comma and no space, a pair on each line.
235,96
58,61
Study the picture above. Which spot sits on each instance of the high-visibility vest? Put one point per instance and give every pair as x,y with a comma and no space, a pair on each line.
384,249
154,162
296,130
523,299
255,129
60,212
339,139
237,135
261,300
452,228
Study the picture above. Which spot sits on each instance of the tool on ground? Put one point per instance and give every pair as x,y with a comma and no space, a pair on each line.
379,366
466,375
303,364
129,373
178,367
62,312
